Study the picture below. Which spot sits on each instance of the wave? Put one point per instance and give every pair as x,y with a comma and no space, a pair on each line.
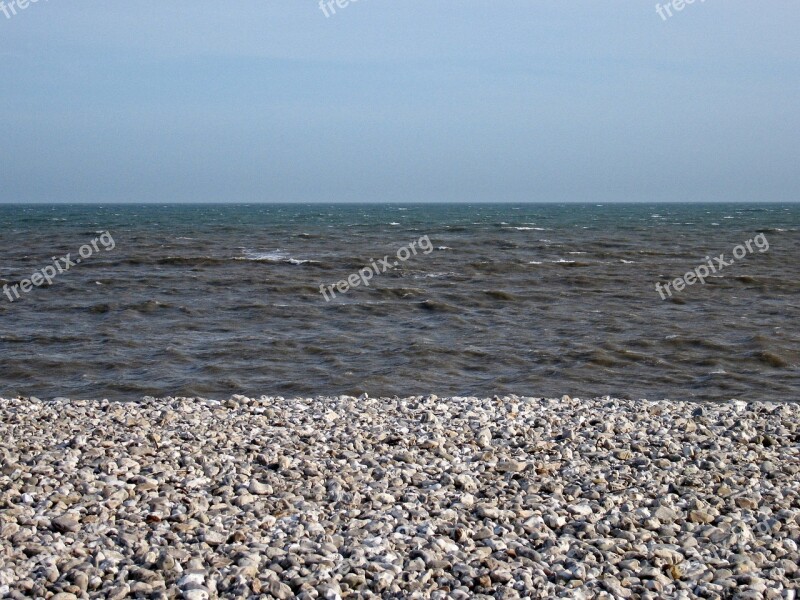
180,260
500,295
276,256
434,306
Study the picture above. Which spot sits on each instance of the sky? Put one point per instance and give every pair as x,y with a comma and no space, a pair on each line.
399,101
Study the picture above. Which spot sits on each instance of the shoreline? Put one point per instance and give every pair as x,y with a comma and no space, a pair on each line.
418,497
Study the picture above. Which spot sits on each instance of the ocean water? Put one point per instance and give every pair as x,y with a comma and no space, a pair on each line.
538,300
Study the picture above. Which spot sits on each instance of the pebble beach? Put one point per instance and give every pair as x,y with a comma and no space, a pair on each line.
420,497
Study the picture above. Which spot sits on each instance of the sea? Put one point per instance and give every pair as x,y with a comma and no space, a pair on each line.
301,300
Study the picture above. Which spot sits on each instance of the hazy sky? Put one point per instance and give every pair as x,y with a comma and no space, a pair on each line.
399,100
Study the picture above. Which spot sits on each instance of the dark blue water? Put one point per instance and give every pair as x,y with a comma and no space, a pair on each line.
529,299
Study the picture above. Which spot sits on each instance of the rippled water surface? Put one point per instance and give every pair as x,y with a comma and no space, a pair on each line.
538,300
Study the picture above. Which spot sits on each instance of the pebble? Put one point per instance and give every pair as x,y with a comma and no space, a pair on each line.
66,524
419,497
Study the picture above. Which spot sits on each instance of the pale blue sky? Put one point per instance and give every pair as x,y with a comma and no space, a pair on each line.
399,100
